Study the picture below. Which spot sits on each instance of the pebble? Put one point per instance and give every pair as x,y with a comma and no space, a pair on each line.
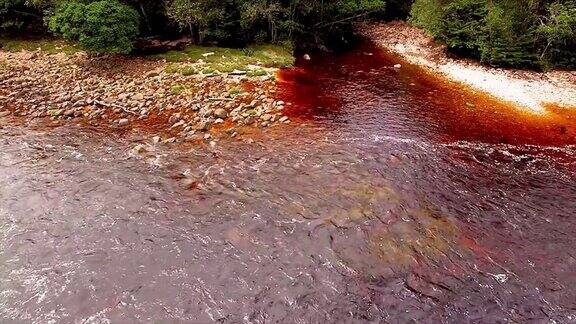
208,112
138,149
220,113
188,183
178,124
204,125
174,118
152,74
123,122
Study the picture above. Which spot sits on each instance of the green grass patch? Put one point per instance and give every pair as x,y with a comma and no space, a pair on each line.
50,46
230,59
256,73
184,70
189,70
177,89
173,68
208,70
173,56
234,91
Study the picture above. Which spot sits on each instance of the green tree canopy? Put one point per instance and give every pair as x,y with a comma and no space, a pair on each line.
519,33
100,26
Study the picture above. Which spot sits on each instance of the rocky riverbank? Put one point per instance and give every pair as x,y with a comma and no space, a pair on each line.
528,89
127,92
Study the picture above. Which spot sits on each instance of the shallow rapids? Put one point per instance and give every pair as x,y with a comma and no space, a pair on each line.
390,198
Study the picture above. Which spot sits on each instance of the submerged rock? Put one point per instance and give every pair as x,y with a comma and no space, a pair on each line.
123,122
204,125
138,149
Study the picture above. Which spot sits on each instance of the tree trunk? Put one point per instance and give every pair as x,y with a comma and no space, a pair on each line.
195,34
145,17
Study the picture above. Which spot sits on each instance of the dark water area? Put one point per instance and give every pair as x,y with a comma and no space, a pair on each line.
363,90
392,197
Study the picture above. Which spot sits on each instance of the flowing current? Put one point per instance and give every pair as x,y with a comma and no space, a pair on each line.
390,198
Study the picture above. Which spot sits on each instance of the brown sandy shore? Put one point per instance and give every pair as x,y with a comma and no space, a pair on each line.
527,89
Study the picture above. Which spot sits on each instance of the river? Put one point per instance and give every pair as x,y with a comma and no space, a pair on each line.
391,197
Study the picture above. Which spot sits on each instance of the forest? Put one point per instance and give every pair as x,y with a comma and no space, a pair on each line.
515,33
510,33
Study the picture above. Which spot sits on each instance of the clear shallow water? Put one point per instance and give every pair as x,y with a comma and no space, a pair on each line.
396,201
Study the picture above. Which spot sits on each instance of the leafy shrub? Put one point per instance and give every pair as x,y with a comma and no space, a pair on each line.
266,20
559,34
18,15
462,26
503,32
111,25
509,38
196,16
7,20
105,26
427,14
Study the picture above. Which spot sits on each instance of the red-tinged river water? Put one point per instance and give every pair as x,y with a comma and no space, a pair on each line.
391,197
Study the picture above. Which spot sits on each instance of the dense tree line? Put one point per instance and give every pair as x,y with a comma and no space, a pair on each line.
518,33
525,33
112,25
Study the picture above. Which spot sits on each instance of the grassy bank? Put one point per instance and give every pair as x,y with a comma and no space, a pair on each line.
50,46
255,60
